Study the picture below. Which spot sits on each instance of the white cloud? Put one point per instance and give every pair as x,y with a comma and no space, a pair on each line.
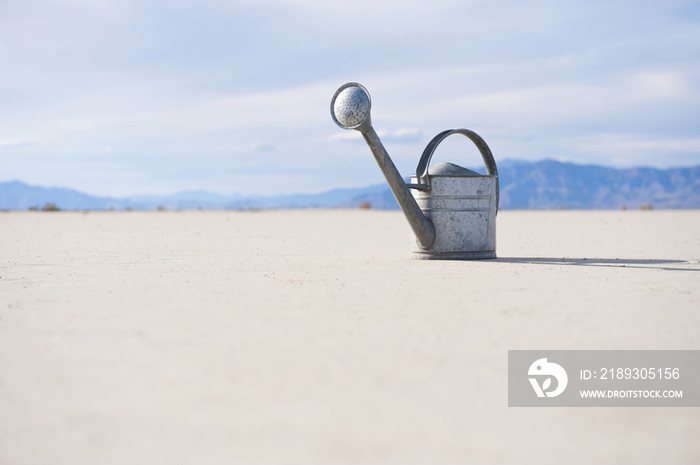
11,141
401,136
629,145
654,86
346,136
257,147
15,142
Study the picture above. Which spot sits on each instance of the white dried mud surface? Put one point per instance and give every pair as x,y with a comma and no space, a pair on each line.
312,337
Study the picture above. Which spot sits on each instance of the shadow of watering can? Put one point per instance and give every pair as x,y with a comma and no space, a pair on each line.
451,210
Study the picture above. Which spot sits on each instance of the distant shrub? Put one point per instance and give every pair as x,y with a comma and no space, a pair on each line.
33,209
365,206
161,208
624,208
50,207
647,207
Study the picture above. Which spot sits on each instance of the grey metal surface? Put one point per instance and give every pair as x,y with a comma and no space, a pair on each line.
351,106
463,212
452,211
450,169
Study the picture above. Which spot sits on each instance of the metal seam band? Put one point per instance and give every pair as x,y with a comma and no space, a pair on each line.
468,197
458,210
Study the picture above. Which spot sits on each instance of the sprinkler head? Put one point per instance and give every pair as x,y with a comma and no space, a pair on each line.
350,107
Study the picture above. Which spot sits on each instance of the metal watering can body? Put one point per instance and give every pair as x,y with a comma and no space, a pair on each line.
461,203
451,210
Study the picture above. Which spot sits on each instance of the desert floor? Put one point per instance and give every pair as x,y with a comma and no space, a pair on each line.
312,337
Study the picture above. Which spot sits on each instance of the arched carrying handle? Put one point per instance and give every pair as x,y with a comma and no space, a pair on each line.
424,162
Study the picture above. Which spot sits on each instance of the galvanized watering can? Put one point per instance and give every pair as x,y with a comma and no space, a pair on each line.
451,210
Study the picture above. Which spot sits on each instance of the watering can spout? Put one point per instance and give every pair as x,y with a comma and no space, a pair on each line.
421,225
350,109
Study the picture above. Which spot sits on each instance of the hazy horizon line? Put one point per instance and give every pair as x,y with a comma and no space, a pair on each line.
364,186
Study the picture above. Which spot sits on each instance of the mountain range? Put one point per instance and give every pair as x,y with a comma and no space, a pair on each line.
545,184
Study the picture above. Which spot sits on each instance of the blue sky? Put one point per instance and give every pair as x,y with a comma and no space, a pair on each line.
152,97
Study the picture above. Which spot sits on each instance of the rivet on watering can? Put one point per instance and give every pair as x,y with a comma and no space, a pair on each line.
451,210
